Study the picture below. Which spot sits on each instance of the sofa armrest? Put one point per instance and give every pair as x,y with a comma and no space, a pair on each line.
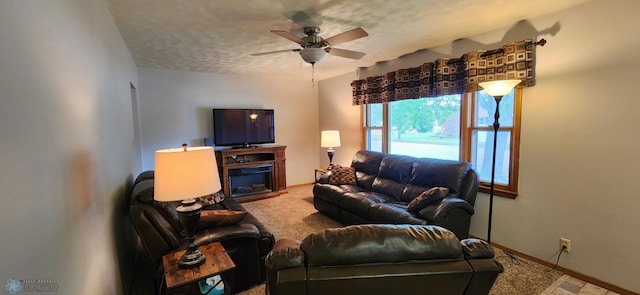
222,233
286,253
476,249
285,269
479,254
453,214
438,210
324,178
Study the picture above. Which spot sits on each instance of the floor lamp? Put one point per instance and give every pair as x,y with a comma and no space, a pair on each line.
497,89
183,174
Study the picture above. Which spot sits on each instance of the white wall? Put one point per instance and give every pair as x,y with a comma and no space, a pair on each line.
65,148
337,113
578,159
176,107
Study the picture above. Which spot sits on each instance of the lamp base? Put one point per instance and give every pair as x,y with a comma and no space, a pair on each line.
189,215
330,154
192,259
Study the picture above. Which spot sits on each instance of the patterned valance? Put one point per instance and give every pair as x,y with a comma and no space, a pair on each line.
449,75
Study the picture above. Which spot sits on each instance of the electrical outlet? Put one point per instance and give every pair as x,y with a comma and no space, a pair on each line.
566,243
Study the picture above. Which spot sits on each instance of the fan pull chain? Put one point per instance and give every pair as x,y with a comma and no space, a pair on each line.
313,75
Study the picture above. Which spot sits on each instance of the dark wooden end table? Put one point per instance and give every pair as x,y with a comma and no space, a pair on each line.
217,262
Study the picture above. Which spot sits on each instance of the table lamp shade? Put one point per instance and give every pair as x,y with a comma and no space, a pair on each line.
185,173
330,138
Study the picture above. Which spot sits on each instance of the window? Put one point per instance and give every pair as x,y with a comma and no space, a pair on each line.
426,127
454,127
477,139
373,129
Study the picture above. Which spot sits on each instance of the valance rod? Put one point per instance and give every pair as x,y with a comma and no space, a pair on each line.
542,42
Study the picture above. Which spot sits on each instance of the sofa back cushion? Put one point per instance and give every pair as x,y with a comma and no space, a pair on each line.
404,178
366,164
428,173
142,192
393,175
380,243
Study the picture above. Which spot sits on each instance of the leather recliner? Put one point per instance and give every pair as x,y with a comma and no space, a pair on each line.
160,233
381,259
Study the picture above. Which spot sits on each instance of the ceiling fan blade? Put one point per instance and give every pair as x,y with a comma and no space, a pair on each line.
287,35
346,36
345,53
277,51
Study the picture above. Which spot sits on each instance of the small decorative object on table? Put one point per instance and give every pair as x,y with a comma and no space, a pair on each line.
212,286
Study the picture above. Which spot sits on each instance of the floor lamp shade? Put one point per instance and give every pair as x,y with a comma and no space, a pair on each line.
184,174
497,89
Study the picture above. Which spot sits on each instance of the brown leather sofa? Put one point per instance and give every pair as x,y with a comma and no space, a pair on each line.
159,230
381,259
386,183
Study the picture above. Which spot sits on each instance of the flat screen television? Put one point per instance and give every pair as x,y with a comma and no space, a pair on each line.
243,127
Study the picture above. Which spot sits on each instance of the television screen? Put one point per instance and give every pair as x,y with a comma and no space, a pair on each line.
242,127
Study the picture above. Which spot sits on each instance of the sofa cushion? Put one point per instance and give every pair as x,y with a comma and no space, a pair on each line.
435,172
359,203
149,174
392,213
396,168
342,175
365,180
367,161
212,218
366,164
360,244
328,193
429,196
393,175
388,187
142,192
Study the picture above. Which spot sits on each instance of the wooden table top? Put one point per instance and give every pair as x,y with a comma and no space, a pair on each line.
217,261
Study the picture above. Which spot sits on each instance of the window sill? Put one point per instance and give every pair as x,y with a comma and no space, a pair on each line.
497,191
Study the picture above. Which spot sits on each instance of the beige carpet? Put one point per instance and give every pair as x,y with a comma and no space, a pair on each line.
293,216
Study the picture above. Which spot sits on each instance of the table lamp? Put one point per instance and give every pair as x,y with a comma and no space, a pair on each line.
183,174
330,139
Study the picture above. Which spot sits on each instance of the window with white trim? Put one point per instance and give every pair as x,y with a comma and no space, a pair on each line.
454,127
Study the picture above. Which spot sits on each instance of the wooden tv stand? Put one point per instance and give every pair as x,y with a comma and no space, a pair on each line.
268,159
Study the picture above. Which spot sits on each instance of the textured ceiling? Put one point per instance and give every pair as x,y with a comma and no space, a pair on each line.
219,36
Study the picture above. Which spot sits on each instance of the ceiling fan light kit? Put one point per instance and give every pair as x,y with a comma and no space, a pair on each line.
312,55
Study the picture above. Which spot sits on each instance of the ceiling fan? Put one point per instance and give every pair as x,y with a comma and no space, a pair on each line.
314,47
